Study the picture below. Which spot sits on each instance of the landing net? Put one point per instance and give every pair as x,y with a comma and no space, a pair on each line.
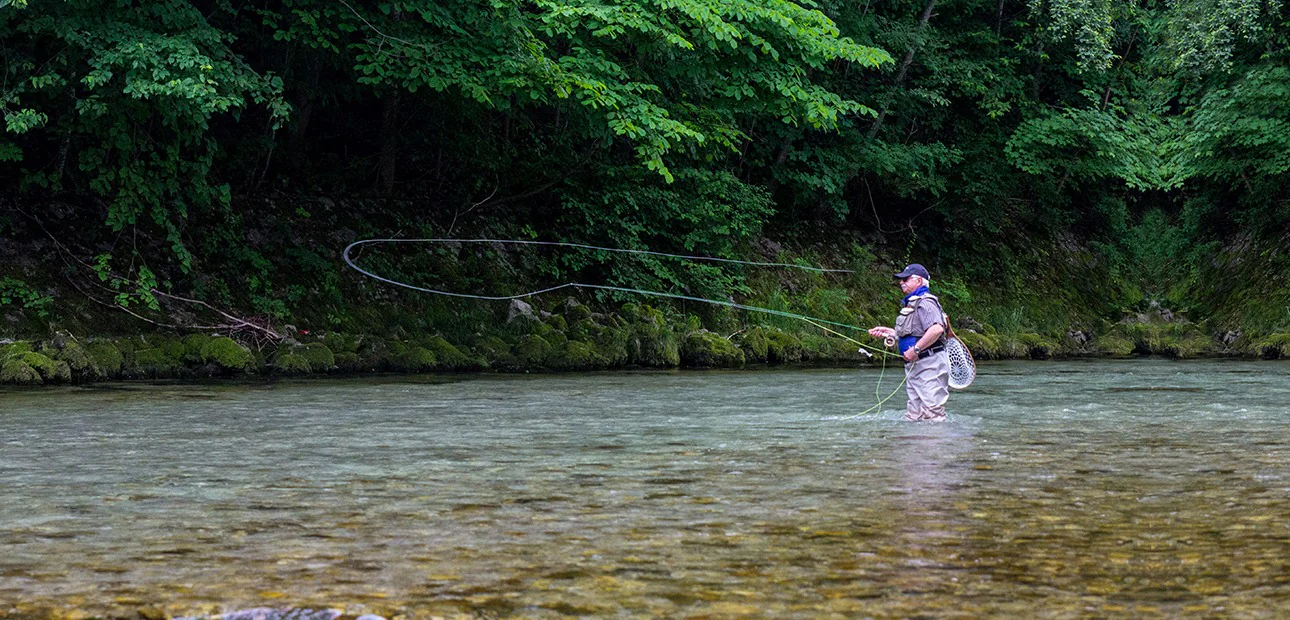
962,366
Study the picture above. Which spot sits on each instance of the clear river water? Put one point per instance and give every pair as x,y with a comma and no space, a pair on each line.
1056,489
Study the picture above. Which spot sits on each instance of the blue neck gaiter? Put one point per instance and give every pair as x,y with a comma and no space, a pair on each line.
922,290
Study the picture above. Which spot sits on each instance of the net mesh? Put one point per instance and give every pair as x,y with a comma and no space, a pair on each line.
962,366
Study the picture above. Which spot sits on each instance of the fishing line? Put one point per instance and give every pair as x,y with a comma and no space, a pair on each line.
816,321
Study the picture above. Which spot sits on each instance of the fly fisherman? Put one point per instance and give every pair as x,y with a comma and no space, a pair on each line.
920,335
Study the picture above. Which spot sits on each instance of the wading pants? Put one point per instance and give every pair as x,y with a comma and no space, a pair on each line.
927,381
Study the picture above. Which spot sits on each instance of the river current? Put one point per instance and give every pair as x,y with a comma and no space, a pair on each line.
1056,489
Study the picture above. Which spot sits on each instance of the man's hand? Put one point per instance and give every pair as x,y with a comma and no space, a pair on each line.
910,355
882,332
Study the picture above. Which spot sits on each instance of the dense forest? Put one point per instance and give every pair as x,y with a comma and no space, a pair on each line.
1079,175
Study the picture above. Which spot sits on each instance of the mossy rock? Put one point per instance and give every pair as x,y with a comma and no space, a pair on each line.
174,348
14,371
449,357
13,349
576,355
78,359
227,354
652,346
784,348
319,356
556,322
611,343
411,359
1037,346
557,339
1272,347
342,343
982,346
194,344
575,311
158,362
1113,344
822,349
494,349
51,370
772,346
756,346
107,357
291,363
532,350
705,349
348,362
1190,344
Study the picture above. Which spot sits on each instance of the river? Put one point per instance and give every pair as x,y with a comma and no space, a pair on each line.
1056,489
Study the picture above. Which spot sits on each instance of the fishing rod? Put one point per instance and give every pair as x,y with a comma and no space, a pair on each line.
818,322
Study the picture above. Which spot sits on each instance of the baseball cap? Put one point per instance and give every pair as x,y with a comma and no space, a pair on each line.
914,270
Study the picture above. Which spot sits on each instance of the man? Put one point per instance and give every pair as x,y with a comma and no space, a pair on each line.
920,336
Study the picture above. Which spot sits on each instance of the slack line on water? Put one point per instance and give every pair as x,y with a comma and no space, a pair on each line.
823,324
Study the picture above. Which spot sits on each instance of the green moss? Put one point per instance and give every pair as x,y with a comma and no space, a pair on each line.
157,362
342,343
348,362
449,357
1272,346
227,354
14,348
174,348
652,345
756,346
78,359
291,364
775,346
708,350
1113,344
50,369
404,358
106,356
783,347
17,372
532,350
494,349
576,355
194,346
1037,346
1188,344
557,339
982,346
320,358
574,311
826,349
557,322
611,343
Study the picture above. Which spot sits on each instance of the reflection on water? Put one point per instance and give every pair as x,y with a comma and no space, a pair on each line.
1057,489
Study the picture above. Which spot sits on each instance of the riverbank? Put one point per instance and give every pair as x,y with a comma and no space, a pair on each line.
572,337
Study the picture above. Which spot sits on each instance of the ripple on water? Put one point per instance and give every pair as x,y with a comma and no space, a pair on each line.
1054,489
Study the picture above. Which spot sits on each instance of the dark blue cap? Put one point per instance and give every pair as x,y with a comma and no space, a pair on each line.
914,270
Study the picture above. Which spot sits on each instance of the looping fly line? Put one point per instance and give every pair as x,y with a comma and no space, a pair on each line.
346,255
818,322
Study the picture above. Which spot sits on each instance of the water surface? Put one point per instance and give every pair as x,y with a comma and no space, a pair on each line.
1057,489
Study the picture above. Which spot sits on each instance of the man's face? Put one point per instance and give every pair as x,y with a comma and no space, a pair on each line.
910,284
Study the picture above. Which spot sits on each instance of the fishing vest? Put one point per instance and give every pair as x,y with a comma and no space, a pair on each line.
907,323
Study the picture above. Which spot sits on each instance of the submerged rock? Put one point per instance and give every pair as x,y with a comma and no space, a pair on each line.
287,613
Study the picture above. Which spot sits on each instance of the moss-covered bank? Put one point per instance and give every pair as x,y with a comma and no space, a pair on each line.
574,339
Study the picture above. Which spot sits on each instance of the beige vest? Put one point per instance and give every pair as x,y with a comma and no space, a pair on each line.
908,323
